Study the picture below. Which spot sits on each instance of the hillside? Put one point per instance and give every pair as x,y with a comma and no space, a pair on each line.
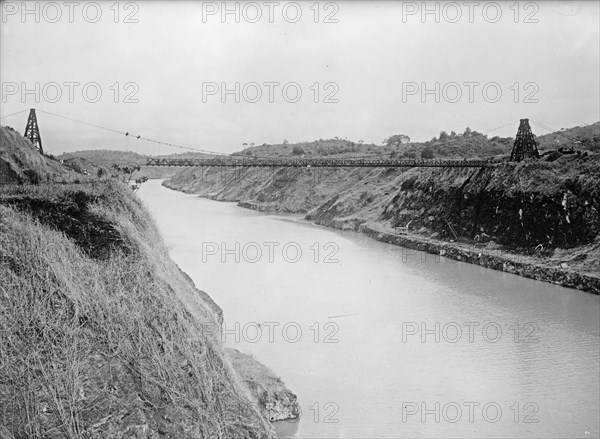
468,144
103,336
93,160
546,212
581,137
20,161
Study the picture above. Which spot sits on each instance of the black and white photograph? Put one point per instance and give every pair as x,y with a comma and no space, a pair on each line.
299,219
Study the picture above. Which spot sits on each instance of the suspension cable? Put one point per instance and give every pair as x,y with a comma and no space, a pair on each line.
553,131
126,133
13,114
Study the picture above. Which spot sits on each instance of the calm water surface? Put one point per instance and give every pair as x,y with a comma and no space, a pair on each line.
380,341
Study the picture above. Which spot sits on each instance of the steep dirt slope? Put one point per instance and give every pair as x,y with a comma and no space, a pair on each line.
288,189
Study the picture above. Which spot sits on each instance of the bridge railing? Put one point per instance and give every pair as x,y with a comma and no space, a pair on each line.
316,163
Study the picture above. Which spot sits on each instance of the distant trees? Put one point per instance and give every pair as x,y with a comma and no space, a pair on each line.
297,150
397,139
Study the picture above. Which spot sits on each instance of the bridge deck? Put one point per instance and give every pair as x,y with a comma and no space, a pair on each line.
317,163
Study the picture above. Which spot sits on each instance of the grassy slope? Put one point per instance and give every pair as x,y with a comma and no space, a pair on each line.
21,161
106,340
101,334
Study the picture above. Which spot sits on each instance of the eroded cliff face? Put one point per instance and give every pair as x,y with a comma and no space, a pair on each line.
522,206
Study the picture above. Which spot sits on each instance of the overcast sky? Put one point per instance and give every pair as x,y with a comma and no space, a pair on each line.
369,62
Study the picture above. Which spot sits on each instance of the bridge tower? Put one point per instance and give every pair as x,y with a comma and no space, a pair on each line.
525,145
32,131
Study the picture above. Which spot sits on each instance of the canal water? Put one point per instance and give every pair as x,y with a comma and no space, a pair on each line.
379,341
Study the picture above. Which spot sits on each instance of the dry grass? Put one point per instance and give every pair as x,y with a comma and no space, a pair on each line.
107,347
20,160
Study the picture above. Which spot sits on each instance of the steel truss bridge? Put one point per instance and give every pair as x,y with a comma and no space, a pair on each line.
316,163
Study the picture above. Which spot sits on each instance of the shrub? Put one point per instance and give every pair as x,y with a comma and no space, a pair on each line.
427,153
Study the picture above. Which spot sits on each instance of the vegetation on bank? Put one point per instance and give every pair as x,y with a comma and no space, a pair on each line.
101,335
468,144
